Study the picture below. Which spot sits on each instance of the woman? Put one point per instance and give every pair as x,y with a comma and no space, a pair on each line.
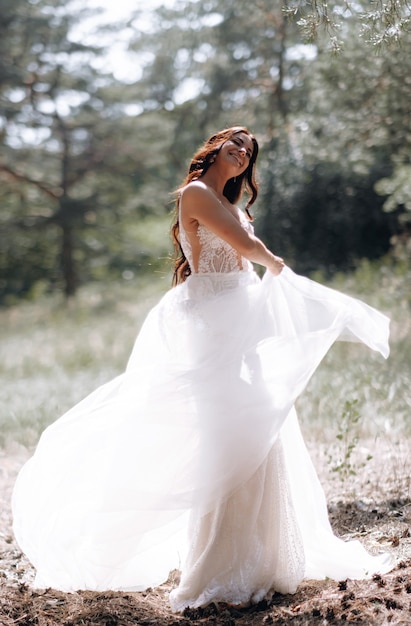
193,458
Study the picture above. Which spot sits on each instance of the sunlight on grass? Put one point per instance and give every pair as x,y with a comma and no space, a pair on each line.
352,372
53,354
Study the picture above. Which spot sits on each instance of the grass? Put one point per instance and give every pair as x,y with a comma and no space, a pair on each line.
355,412
53,353
351,372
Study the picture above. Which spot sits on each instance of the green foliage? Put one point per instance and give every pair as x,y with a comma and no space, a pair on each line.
397,188
324,217
233,55
73,168
341,457
85,158
382,22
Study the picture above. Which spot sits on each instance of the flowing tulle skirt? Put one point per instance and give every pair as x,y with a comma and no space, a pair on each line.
193,458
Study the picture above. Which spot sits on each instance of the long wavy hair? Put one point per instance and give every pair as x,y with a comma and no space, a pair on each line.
233,190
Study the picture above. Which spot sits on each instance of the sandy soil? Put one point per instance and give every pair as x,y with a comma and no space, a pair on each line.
379,514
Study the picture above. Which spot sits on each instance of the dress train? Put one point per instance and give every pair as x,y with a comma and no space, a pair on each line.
193,458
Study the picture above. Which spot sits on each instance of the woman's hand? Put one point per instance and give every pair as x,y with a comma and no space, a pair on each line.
276,266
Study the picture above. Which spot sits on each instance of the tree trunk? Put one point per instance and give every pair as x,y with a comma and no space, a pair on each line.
67,261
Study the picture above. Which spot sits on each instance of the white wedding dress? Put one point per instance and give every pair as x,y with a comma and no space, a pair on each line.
193,458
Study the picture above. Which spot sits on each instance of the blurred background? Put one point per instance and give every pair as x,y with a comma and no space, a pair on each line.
102,106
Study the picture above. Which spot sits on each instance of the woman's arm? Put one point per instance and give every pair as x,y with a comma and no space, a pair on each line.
199,204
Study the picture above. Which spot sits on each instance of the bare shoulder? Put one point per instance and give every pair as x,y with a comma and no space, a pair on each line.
196,189
197,198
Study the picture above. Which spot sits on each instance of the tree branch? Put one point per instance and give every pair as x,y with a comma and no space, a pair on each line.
55,194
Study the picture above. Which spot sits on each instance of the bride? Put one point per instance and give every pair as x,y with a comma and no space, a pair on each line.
193,457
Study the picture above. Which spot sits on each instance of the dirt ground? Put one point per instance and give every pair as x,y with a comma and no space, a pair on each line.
379,515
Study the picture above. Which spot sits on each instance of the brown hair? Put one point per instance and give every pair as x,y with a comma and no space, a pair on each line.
201,161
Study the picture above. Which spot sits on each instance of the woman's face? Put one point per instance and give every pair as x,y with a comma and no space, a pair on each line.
237,151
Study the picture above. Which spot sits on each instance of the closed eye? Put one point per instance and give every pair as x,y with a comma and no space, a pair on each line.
239,142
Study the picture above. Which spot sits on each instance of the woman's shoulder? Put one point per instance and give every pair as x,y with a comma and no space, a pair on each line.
196,195
195,188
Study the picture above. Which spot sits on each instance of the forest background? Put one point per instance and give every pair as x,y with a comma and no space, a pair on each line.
88,161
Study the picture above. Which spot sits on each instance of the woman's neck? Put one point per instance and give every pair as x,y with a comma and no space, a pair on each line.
215,180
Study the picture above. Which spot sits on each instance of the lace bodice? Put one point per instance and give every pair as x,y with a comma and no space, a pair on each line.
216,255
